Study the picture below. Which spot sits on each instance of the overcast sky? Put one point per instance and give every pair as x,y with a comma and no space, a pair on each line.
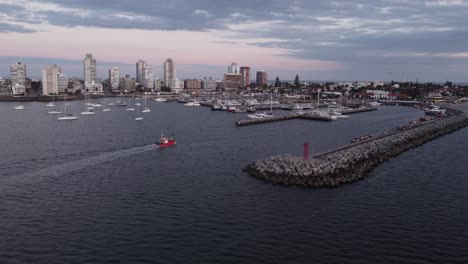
319,40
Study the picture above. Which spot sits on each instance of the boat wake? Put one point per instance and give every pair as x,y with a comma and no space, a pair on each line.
61,169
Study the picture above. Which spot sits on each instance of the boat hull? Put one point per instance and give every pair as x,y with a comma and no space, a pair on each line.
168,144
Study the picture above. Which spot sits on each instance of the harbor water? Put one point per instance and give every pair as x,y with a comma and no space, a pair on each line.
94,190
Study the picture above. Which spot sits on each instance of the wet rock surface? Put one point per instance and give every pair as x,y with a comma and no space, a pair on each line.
352,162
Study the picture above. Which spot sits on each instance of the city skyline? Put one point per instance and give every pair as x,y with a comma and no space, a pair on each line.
337,40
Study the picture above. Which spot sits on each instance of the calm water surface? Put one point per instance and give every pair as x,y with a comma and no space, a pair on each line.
64,200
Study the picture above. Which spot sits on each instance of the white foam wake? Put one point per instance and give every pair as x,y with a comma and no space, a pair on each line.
72,166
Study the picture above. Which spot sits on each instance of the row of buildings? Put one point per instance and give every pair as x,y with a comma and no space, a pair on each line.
55,81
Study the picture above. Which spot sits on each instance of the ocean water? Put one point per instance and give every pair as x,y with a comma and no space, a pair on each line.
94,190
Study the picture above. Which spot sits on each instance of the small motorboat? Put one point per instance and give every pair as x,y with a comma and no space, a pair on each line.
164,142
19,107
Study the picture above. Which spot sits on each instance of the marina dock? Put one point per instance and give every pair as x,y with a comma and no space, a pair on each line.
247,122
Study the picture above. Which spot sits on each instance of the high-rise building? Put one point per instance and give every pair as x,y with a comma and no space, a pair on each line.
89,68
233,68
18,74
169,73
114,78
140,72
148,78
245,72
62,83
262,78
50,80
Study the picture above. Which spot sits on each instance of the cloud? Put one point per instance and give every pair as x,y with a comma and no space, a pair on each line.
7,27
344,32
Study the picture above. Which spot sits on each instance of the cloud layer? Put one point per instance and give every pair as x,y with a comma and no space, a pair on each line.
382,39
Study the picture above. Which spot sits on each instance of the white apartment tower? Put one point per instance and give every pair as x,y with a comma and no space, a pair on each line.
50,80
89,67
114,78
148,78
18,74
233,68
169,72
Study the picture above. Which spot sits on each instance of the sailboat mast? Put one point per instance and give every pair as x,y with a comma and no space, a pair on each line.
271,101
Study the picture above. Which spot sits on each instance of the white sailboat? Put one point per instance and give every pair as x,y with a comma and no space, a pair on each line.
66,116
130,108
51,104
87,110
146,110
19,107
140,117
106,109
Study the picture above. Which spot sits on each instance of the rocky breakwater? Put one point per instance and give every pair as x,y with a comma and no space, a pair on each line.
352,162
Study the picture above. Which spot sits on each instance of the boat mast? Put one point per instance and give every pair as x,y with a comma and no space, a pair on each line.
271,102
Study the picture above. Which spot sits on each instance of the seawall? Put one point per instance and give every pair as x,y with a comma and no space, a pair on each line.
352,162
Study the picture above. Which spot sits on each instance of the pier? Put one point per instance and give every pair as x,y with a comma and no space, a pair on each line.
247,122
354,161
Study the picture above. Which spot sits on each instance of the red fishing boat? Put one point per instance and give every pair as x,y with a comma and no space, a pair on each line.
164,142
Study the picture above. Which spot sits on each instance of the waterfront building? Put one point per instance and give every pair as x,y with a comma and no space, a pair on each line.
157,85
127,84
245,72
18,89
93,87
148,78
140,72
233,68
77,85
50,80
89,68
4,87
169,73
262,78
18,78
114,78
208,84
193,86
378,94
177,86
62,80
232,82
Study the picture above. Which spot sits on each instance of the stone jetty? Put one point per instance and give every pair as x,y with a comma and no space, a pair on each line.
352,162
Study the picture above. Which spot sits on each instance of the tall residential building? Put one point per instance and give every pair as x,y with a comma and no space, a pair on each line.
140,72
169,73
127,84
148,78
114,78
18,74
193,86
233,68
262,78
50,80
89,68
245,72
62,83
231,82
